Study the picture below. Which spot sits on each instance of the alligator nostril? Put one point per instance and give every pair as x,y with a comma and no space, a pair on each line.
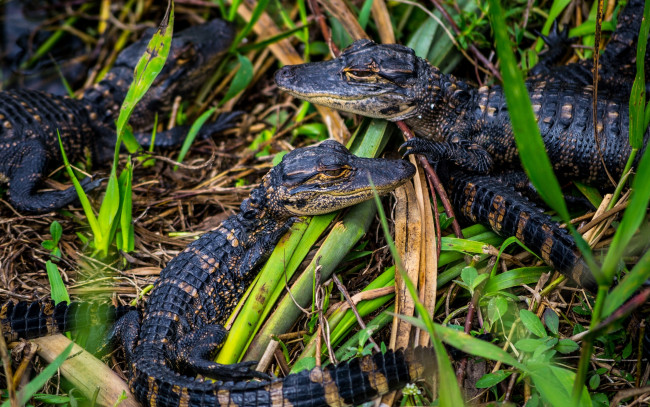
286,74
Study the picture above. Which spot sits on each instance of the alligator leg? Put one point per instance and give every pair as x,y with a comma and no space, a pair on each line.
175,136
558,44
25,167
195,348
465,155
125,332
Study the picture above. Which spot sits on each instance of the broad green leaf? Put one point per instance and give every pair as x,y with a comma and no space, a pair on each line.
566,346
56,231
532,323
497,308
552,321
304,364
555,384
528,344
242,78
492,379
58,290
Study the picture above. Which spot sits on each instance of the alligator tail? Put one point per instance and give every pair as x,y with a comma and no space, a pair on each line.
485,200
35,319
351,383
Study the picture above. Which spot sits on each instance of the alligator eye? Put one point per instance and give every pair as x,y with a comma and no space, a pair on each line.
361,74
333,173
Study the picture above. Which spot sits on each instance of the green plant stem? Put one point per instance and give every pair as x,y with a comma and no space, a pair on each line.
623,180
587,348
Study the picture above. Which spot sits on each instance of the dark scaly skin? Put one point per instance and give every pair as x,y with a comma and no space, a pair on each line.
483,199
467,126
29,119
33,320
617,62
470,128
196,292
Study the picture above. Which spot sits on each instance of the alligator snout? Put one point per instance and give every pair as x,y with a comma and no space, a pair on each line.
285,75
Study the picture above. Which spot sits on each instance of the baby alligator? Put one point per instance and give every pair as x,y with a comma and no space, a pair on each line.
198,289
470,129
29,119
467,126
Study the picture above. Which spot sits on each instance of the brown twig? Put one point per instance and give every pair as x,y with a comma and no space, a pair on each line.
353,307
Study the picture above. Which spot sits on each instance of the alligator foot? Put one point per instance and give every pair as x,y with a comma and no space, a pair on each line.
26,167
194,350
464,154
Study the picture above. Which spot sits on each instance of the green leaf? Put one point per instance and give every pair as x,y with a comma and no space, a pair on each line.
528,344
552,321
566,346
636,210
241,80
126,222
497,308
532,323
514,278
304,364
594,382
555,384
469,274
191,135
58,290
39,381
147,69
492,379
56,231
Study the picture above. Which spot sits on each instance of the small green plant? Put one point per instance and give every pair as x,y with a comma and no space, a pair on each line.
115,210
53,244
363,348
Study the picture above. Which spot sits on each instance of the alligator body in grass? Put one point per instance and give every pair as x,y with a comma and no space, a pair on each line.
196,292
469,129
617,63
29,120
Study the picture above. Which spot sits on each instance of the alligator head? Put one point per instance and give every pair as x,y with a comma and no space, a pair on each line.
324,178
193,56
375,80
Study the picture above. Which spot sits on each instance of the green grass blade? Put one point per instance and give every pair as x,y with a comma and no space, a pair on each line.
83,198
242,78
127,243
39,381
632,282
529,141
514,278
191,135
58,291
636,210
260,7
146,71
